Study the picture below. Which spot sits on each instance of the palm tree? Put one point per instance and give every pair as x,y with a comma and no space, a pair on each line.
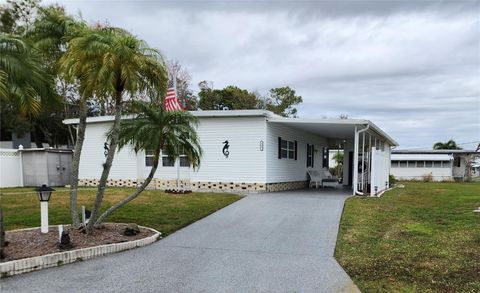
449,145
110,63
154,130
22,80
51,33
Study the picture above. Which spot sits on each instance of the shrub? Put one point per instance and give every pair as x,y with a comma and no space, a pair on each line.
427,177
392,179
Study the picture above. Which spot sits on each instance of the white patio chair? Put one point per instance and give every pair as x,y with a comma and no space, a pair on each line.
315,178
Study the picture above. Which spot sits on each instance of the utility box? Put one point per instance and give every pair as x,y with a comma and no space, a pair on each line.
52,167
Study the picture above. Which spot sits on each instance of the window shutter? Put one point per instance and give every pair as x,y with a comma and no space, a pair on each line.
312,148
327,157
295,150
279,147
308,155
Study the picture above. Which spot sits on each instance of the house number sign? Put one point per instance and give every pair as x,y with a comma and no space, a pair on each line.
225,149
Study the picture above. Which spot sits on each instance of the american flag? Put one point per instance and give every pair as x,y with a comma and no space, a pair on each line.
171,101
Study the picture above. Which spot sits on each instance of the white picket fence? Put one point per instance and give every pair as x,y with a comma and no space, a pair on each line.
10,168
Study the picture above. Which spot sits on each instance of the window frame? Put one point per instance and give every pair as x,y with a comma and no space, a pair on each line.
446,164
182,164
287,149
149,158
165,159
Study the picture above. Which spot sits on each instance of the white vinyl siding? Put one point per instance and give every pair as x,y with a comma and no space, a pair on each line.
246,161
286,170
92,158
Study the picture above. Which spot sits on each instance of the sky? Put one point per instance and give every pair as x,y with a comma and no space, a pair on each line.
411,67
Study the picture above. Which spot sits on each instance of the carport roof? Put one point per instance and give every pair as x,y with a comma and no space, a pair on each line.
332,128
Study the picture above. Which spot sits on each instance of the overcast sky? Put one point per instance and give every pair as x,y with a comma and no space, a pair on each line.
412,67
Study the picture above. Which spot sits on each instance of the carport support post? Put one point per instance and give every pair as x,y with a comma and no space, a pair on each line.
355,162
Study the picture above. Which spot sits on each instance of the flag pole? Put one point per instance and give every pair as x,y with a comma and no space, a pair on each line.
178,159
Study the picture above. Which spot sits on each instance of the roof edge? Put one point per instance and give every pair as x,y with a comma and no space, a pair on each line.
365,122
199,113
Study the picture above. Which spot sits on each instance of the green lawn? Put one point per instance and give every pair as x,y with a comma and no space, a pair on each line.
153,208
423,238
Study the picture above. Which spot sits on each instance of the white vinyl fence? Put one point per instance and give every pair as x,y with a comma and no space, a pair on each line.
10,168
380,171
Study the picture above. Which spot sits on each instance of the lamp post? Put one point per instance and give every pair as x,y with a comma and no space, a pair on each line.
44,192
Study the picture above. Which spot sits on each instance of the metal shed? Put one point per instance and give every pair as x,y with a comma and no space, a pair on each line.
52,167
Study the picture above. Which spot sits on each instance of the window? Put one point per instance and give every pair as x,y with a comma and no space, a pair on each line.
446,164
403,164
184,162
395,164
310,156
287,149
437,164
428,164
166,161
291,150
411,164
457,162
420,164
149,158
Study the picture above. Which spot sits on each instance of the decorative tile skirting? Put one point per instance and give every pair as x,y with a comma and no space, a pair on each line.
228,186
282,186
163,184
110,182
212,186
25,265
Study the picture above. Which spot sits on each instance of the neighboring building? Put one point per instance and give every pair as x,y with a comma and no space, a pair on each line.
441,165
266,152
34,167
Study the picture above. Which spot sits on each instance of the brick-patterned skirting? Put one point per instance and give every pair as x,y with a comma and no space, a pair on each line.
227,186
163,184
282,186
25,265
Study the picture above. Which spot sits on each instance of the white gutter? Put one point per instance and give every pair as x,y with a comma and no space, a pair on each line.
355,159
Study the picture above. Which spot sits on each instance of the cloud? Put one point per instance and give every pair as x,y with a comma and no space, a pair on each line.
412,67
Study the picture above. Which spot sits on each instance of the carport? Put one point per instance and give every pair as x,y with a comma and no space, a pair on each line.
366,148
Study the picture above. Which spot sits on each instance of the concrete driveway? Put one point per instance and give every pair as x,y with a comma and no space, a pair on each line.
276,242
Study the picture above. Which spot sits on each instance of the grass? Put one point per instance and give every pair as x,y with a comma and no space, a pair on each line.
153,208
422,238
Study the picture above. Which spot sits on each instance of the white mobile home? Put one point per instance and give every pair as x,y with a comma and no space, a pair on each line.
265,152
440,165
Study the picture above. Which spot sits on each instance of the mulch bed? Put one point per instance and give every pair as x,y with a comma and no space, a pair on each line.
30,243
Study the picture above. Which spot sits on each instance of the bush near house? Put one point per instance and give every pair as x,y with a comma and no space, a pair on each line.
153,208
422,238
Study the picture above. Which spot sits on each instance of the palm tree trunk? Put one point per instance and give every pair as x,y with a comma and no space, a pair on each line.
134,194
2,234
108,163
82,125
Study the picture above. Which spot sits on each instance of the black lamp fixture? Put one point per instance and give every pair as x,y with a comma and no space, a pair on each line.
44,192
